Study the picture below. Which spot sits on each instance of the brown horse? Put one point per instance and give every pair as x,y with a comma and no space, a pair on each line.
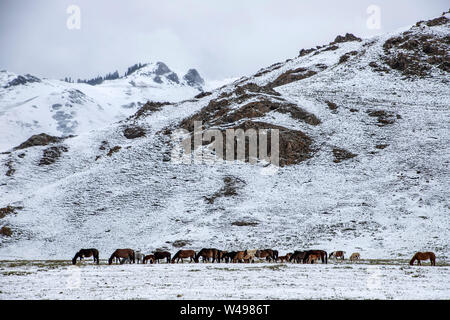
337,254
222,255
268,254
122,253
323,255
423,256
162,255
284,258
238,256
313,258
206,254
183,254
228,256
355,256
149,257
85,253
297,256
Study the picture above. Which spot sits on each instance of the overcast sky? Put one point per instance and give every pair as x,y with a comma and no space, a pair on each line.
226,38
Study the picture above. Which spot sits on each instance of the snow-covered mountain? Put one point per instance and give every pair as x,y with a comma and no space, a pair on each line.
29,105
364,154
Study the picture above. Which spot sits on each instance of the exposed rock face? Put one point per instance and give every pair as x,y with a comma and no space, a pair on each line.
162,68
342,154
52,154
134,132
348,37
42,139
231,185
113,150
193,78
292,76
148,108
22,80
383,117
416,53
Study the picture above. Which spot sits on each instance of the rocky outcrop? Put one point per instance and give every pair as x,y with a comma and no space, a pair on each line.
134,132
193,78
52,154
42,139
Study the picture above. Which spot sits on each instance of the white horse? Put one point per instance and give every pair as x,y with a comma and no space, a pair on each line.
139,256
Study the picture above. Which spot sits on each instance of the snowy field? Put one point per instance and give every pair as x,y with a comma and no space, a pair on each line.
368,279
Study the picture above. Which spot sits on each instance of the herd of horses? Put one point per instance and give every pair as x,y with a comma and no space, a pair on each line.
215,255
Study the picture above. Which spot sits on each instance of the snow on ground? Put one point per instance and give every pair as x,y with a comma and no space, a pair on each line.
363,280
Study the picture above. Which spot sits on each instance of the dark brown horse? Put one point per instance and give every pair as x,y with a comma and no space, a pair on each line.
423,256
85,253
337,254
222,255
183,254
149,257
206,254
122,253
323,255
297,256
228,256
268,254
162,255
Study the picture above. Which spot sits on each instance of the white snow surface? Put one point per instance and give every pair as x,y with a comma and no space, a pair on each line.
261,281
384,203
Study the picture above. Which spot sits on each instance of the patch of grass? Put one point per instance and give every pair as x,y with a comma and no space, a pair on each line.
16,273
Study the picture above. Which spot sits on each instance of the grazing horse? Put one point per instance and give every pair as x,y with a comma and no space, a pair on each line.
122,253
238,256
206,254
162,255
139,256
297,256
275,255
268,254
355,256
337,254
149,257
222,255
228,256
249,255
86,253
323,255
423,256
182,254
313,258
284,258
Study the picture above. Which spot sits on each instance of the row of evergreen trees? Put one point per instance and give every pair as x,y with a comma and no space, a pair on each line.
110,76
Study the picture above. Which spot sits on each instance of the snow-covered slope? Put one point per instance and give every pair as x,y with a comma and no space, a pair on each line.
29,105
364,153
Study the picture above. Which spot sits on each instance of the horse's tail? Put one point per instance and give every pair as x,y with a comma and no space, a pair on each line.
197,256
326,257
